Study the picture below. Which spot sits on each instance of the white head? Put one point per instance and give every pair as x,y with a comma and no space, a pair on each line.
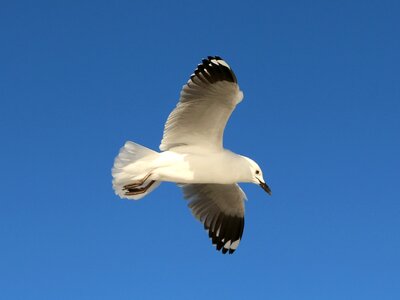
256,175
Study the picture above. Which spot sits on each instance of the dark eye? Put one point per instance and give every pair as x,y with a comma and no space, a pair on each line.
257,172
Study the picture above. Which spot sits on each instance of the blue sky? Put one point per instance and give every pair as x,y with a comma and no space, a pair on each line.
321,115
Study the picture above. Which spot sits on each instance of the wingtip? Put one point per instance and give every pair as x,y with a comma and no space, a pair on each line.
213,69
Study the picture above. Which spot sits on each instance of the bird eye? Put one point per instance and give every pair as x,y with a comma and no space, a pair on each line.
257,172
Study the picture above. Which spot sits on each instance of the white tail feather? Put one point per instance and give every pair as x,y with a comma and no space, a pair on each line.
132,164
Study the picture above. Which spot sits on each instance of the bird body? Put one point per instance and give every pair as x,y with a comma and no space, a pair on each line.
181,165
192,155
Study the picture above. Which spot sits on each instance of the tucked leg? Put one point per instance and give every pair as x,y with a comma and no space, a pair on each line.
138,190
136,183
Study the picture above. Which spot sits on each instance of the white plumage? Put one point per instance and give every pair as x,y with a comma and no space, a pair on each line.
193,156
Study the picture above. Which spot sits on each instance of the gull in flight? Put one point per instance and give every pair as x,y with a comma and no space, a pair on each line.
192,155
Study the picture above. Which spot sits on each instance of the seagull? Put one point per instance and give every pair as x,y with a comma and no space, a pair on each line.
192,155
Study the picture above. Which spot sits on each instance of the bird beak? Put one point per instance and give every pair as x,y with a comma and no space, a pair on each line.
265,187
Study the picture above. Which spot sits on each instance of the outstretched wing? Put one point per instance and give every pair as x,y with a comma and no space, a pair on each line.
204,107
220,207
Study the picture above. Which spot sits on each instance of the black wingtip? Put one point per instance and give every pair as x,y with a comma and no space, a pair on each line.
226,233
213,69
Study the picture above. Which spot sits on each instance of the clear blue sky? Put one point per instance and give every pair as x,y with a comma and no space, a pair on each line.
321,115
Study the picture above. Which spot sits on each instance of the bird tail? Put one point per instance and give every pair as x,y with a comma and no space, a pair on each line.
132,171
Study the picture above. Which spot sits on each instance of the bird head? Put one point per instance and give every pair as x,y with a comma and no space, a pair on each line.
257,175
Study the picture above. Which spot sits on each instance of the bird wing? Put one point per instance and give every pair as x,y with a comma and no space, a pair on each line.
220,207
206,102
